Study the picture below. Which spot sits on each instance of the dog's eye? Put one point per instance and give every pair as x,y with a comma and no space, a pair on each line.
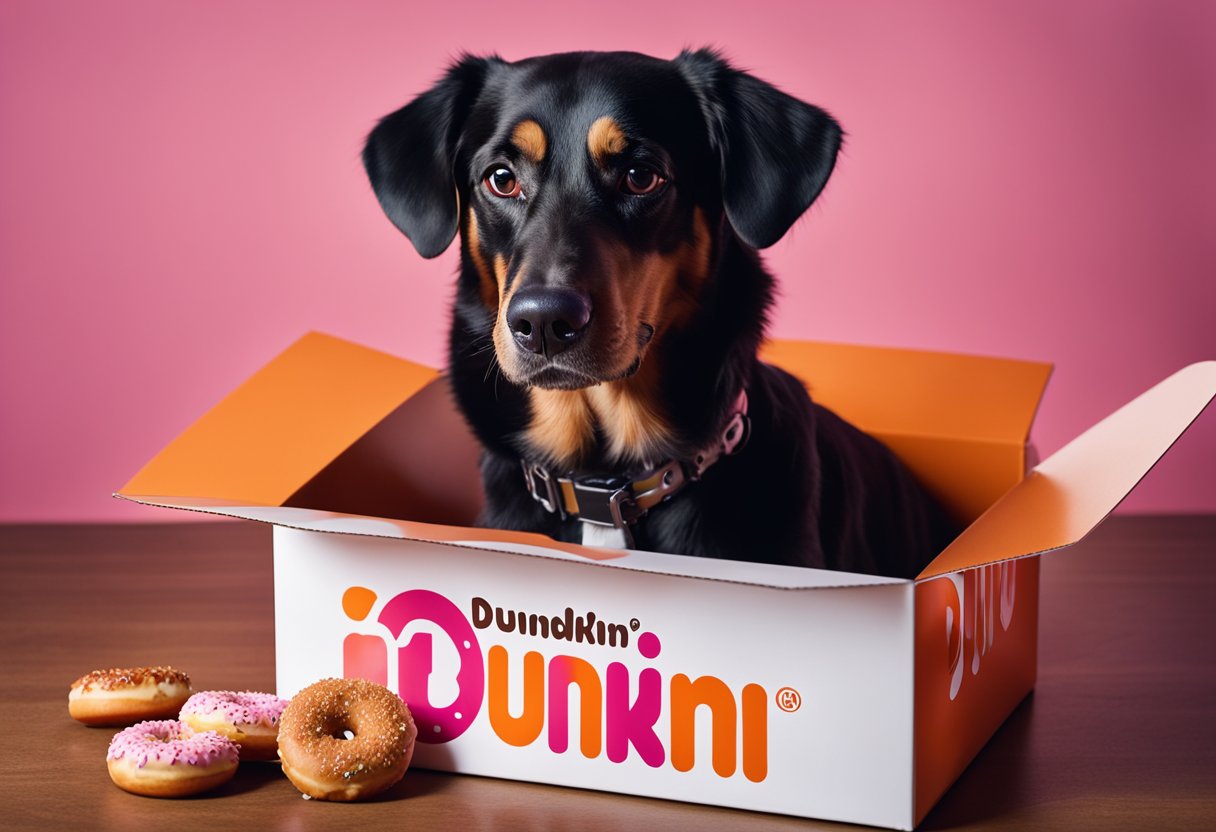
502,182
641,181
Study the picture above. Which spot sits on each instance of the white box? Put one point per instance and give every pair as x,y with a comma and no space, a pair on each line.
798,691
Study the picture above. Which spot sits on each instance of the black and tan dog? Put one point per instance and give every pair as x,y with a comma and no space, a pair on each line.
611,301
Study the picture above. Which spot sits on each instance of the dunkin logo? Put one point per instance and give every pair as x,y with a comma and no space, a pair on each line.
611,722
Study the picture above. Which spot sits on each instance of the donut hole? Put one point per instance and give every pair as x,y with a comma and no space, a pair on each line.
337,729
343,733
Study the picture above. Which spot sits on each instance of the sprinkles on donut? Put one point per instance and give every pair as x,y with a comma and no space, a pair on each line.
121,696
164,758
249,719
322,762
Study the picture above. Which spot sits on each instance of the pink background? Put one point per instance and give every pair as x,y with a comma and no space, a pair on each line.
181,197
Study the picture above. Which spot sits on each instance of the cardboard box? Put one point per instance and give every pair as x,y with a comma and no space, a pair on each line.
797,691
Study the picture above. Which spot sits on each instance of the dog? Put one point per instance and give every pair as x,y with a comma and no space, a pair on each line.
611,300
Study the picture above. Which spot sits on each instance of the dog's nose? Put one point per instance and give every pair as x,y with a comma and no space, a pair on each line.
547,321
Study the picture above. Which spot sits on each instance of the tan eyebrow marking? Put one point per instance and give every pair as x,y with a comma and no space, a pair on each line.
604,139
529,137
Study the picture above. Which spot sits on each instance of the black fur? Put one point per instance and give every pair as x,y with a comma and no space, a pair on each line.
743,161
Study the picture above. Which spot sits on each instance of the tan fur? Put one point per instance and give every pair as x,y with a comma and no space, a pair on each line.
628,413
658,289
503,345
562,426
605,139
530,138
489,294
694,258
680,276
563,422
500,275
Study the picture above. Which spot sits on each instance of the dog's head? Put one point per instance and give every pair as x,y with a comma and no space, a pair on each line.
592,190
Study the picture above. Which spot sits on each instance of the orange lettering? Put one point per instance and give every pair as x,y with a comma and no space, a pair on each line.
565,671
686,697
525,728
755,733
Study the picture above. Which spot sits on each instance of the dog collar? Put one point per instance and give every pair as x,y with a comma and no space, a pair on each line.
620,502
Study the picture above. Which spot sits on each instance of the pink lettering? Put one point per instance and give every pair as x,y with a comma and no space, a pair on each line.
634,725
435,724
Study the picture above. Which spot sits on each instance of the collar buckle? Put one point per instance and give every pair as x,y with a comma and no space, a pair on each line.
544,489
610,504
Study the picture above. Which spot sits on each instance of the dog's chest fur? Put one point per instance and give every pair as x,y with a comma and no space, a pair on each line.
621,423
604,536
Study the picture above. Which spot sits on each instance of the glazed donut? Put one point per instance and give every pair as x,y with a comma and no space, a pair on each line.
164,758
317,758
249,719
121,696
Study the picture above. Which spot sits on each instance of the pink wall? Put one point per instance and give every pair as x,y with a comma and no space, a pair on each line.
181,196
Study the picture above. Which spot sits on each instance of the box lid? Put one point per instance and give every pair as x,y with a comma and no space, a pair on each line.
893,391
302,438
1068,494
960,423
289,420
334,436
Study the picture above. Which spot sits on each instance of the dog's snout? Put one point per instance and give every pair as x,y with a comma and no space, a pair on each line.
548,320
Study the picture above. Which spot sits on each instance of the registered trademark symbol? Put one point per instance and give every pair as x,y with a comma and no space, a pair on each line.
789,700
634,624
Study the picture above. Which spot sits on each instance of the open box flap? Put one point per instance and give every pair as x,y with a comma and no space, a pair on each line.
525,544
958,422
1067,495
288,421
905,392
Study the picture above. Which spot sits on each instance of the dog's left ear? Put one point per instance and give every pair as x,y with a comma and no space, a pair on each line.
410,154
777,152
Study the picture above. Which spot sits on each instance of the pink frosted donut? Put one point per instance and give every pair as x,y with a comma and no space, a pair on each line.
249,719
164,758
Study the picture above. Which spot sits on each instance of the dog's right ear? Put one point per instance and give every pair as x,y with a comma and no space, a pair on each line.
410,154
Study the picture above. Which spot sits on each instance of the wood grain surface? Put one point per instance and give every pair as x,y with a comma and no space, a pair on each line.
1120,733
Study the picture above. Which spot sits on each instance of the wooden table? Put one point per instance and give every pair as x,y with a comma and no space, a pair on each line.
1121,733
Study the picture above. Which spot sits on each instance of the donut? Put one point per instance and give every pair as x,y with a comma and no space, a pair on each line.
249,719
165,758
322,763
121,696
